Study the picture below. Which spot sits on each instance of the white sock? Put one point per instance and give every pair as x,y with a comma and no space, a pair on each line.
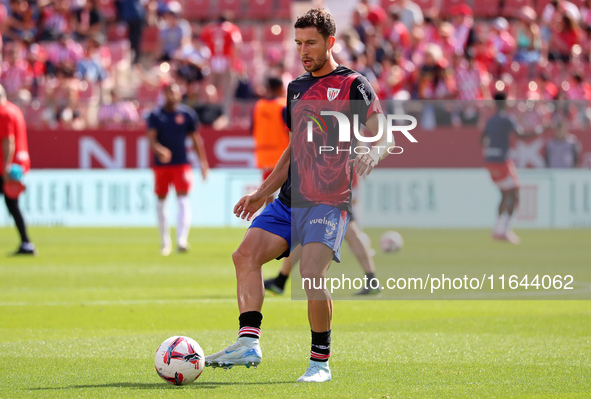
506,224
184,222
162,224
500,223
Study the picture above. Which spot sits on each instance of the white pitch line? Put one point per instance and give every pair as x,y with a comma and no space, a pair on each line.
122,302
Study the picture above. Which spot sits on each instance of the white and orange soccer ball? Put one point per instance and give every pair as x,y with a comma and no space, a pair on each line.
179,360
391,241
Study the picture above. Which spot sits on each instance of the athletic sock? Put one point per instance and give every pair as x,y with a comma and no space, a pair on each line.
320,351
19,221
281,279
501,220
162,223
370,277
184,221
250,324
506,224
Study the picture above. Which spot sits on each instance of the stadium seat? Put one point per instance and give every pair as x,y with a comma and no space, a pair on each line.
284,9
149,39
119,51
108,9
424,4
447,6
487,8
250,32
260,9
233,7
275,32
147,93
116,32
197,9
512,7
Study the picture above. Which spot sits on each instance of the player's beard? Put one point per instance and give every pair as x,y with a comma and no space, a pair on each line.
317,63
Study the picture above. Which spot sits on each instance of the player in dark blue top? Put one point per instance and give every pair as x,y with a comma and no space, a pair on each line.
495,140
314,201
168,130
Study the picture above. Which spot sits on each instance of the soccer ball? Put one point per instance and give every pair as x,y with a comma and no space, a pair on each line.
179,360
391,241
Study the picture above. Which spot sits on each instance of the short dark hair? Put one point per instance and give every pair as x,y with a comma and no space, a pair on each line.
274,83
320,19
500,98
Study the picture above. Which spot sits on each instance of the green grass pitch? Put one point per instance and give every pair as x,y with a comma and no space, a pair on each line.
83,320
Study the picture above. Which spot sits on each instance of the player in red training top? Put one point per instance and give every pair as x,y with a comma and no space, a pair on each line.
14,162
314,204
168,128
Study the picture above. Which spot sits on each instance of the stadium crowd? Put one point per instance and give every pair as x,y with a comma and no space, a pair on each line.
87,63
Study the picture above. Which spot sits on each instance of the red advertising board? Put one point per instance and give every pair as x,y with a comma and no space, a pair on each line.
441,148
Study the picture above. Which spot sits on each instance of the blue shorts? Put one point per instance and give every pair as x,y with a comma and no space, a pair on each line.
321,223
276,219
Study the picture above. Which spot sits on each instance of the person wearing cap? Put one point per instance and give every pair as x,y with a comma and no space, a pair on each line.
501,40
14,162
463,26
528,37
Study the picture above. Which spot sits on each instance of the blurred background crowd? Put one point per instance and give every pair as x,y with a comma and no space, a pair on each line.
101,63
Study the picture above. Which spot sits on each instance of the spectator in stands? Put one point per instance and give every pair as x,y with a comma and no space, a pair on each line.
410,14
565,35
189,63
54,19
528,37
223,39
118,113
64,51
133,13
393,81
435,81
62,97
203,99
546,88
563,150
23,20
463,27
501,40
349,46
175,32
446,40
472,79
88,20
359,21
36,56
16,75
93,66
395,31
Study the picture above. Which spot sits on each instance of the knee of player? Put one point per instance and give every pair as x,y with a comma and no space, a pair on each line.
312,274
243,258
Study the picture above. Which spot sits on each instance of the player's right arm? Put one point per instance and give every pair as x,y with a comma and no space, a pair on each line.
249,204
163,154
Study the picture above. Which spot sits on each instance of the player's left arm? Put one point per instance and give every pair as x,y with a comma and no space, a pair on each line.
198,144
8,148
199,147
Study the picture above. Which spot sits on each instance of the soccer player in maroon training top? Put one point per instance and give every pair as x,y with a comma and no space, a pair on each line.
315,198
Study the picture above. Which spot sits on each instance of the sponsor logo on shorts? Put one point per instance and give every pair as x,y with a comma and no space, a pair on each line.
330,225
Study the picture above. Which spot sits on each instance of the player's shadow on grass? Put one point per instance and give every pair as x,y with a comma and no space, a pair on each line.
157,385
